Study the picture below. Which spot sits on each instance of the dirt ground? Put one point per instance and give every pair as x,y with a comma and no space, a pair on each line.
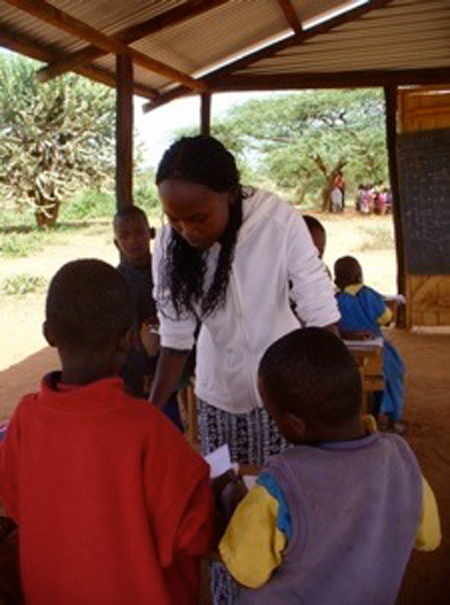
24,358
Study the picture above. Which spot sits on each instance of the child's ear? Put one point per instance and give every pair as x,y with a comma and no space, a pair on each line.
126,341
46,331
293,427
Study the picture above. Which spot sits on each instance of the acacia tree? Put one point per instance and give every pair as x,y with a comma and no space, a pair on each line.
304,140
54,138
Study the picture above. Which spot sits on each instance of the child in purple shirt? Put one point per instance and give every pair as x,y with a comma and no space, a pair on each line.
333,519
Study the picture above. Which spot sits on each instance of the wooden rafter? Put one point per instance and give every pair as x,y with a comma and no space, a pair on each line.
220,75
50,14
30,48
309,80
129,35
291,15
344,79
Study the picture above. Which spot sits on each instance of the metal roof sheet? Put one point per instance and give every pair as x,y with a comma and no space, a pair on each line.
406,34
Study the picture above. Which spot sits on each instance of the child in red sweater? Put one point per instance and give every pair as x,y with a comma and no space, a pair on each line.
112,504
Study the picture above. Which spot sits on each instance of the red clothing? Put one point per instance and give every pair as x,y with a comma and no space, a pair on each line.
112,504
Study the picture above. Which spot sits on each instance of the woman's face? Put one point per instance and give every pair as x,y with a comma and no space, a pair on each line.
199,214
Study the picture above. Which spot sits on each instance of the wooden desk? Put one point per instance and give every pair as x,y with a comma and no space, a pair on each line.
368,359
370,363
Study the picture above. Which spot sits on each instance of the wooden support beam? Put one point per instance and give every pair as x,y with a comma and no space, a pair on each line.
223,73
350,79
301,81
205,114
129,35
291,15
124,132
50,14
30,48
390,96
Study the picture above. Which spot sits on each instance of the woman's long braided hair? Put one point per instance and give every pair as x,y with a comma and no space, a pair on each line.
202,160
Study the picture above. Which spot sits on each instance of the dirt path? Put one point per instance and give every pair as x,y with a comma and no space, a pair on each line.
21,317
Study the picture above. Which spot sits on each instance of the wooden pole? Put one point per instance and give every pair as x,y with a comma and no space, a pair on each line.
124,132
390,95
205,114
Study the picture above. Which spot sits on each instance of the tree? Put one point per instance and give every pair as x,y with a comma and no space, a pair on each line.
304,140
54,138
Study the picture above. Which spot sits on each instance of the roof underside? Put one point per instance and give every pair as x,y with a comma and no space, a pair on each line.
239,44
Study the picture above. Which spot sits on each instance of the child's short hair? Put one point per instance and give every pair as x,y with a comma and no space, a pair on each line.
317,232
88,306
130,212
347,271
133,212
313,224
311,374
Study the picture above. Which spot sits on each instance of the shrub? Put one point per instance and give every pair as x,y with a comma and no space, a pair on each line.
23,283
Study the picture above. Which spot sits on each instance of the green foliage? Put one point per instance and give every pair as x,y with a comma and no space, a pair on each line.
301,140
54,139
15,245
89,204
94,204
23,283
145,194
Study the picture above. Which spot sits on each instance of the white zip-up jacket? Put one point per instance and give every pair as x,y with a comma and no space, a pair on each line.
273,249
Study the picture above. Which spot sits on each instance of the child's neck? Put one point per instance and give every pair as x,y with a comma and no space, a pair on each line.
348,431
76,371
143,262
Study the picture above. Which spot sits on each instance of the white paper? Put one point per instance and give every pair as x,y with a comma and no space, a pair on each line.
249,481
398,298
219,461
368,343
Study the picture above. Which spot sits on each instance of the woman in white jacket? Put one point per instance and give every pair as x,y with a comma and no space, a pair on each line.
232,259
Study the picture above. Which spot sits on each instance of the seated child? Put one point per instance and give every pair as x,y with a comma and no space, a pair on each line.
364,309
132,235
113,505
332,520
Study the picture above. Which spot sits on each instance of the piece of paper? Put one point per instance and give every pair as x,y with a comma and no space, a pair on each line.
219,461
249,481
398,298
368,343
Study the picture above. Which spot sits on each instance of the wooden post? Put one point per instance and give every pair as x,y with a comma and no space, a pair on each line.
205,114
124,132
390,95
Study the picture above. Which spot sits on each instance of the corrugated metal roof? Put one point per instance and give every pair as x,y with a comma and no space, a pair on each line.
404,34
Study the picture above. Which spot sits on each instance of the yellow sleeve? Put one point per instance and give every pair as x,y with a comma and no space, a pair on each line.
252,544
386,317
429,533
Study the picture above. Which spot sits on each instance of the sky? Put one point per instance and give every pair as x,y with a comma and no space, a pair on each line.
156,128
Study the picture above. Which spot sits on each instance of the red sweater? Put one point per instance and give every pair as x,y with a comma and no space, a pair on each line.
112,503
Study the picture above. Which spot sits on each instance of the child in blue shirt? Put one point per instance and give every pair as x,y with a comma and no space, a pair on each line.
364,310
333,519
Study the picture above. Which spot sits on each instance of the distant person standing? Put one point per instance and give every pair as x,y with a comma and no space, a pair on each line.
339,182
336,200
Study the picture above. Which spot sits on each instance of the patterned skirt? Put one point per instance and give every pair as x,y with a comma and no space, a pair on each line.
252,438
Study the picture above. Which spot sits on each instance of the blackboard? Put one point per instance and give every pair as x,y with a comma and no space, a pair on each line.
424,179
